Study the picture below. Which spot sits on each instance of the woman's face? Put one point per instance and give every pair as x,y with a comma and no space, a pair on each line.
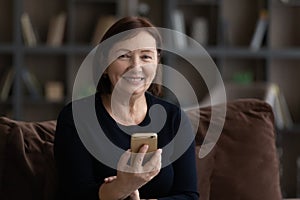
134,64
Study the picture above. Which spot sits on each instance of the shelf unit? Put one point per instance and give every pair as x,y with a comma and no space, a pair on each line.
230,25
46,63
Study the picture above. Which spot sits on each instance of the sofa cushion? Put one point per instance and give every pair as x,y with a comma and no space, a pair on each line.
243,164
27,163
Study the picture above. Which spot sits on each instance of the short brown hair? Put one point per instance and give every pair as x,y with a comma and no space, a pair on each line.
125,24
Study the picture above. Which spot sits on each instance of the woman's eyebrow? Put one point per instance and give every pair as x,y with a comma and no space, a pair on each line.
147,50
122,50
151,50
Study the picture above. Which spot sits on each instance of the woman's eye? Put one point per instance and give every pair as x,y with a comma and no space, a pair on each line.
124,56
147,57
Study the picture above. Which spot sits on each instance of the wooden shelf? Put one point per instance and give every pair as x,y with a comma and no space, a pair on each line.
198,2
6,48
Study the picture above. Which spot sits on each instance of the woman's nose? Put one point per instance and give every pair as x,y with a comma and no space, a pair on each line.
135,61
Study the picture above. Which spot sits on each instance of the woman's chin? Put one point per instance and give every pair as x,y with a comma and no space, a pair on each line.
130,91
136,88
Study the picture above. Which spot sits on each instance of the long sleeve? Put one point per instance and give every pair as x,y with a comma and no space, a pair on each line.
74,163
185,175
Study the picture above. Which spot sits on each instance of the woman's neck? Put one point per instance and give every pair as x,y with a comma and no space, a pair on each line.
127,112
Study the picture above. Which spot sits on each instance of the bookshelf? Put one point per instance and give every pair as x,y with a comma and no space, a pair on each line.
48,64
229,28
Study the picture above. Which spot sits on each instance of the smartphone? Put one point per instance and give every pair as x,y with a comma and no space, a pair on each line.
140,139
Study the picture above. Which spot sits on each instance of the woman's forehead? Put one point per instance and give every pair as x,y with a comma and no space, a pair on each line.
140,41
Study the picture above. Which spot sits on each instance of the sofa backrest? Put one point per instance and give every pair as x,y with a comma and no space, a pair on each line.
27,169
242,165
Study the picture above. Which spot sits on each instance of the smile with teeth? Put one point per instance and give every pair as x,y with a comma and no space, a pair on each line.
134,79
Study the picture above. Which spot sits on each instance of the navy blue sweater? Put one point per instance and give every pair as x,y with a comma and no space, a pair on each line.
81,171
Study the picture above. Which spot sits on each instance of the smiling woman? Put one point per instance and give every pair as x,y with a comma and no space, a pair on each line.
135,65
123,40
125,94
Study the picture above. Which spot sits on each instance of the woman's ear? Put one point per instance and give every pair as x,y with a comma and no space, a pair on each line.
105,74
158,57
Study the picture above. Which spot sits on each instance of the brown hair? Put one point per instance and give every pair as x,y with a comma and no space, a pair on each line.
125,24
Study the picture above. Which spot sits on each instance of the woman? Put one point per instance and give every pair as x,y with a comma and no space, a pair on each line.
125,94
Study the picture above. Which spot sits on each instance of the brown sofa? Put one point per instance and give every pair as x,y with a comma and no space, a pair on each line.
242,166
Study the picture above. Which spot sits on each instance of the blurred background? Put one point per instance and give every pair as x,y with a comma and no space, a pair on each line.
254,44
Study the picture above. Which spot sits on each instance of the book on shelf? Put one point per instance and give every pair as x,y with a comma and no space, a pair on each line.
276,99
29,80
56,29
260,30
102,25
199,30
178,24
32,84
29,35
6,83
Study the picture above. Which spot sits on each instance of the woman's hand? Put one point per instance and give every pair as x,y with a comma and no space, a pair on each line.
131,177
133,196
137,174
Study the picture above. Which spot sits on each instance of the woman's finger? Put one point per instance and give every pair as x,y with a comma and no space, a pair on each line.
122,164
139,157
110,179
154,163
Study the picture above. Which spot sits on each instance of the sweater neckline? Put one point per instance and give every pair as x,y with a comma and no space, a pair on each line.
101,108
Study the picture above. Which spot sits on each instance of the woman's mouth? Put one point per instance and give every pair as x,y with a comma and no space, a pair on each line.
134,80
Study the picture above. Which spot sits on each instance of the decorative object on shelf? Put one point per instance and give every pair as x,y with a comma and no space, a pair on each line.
56,29
104,22
245,77
54,91
29,35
